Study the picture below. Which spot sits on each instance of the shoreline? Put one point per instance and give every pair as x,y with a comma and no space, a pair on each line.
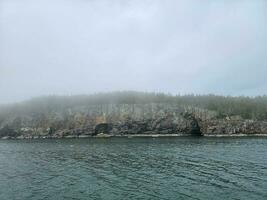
138,136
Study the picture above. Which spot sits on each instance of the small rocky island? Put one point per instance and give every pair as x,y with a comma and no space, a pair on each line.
134,114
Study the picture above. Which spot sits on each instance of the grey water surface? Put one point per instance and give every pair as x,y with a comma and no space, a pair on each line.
134,168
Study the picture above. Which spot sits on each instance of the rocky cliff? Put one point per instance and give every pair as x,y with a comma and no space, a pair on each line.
125,119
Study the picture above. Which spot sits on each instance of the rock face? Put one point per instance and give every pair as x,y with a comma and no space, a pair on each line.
232,127
104,128
194,128
127,119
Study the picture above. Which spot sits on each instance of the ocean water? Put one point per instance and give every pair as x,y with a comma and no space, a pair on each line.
134,168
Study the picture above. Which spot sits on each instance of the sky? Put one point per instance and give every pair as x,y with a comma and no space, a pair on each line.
68,47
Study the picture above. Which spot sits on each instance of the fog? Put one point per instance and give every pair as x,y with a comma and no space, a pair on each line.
69,47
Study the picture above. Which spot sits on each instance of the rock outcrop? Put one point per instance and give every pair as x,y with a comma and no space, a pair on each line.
127,119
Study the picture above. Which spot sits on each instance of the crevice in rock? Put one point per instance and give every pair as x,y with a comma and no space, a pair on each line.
194,127
104,128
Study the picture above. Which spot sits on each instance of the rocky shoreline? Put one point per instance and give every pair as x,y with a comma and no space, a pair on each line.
134,136
129,120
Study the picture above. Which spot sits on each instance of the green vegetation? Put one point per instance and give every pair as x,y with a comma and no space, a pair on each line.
246,107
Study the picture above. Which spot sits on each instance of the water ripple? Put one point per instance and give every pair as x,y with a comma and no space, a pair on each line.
137,168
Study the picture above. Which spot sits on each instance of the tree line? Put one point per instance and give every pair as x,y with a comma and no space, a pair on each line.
246,107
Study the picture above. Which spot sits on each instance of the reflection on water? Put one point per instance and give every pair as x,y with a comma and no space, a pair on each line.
136,168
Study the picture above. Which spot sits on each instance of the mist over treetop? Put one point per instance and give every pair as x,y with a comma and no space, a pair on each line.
246,107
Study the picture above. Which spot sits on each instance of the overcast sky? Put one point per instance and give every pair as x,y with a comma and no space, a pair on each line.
177,46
